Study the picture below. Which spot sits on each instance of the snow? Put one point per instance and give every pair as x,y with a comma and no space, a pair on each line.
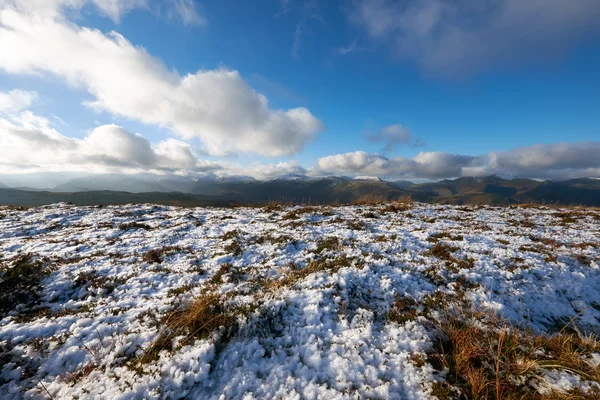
367,178
324,336
563,382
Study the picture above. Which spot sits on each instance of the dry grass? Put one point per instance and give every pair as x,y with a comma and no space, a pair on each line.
203,317
296,213
232,234
234,248
356,225
295,274
442,251
370,199
552,243
402,204
226,272
209,313
482,357
444,235
329,243
156,256
569,217
404,309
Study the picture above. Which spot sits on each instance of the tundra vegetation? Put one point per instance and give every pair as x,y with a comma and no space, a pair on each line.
373,300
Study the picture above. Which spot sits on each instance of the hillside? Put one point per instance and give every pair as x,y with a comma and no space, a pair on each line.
14,197
410,301
332,190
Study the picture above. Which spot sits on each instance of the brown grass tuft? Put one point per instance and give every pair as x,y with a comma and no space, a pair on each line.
370,199
205,315
483,357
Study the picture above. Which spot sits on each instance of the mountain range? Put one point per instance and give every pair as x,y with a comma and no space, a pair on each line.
214,191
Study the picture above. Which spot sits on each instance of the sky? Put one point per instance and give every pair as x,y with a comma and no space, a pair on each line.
409,89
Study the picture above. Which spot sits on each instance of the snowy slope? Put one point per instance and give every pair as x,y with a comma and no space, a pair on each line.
325,335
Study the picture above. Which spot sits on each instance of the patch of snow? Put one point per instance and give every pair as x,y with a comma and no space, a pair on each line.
325,336
367,178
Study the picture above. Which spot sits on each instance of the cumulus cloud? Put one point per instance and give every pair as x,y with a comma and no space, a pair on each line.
392,136
216,106
429,165
16,100
450,38
28,142
267,171
541,161
549,161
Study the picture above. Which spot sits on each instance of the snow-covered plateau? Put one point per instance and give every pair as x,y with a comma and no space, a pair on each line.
144,301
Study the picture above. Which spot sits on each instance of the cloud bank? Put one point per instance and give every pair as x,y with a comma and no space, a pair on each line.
430,165
456,38
549,161
29,143
541,161
228,116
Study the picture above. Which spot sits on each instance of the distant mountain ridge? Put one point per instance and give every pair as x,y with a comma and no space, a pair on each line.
303,190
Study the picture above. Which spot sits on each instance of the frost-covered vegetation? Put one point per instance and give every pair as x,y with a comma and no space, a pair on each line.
407,301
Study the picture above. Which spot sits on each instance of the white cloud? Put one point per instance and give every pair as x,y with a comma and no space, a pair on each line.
269,171
297,39
353,47
216,106
548,161
115,9
431,165
187,11
30,143
450,38
541,161
16,100
285,8
357,162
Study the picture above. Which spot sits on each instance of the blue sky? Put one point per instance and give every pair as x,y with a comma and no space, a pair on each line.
512,77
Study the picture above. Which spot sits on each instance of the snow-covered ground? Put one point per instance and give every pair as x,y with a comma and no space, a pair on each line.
103,295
